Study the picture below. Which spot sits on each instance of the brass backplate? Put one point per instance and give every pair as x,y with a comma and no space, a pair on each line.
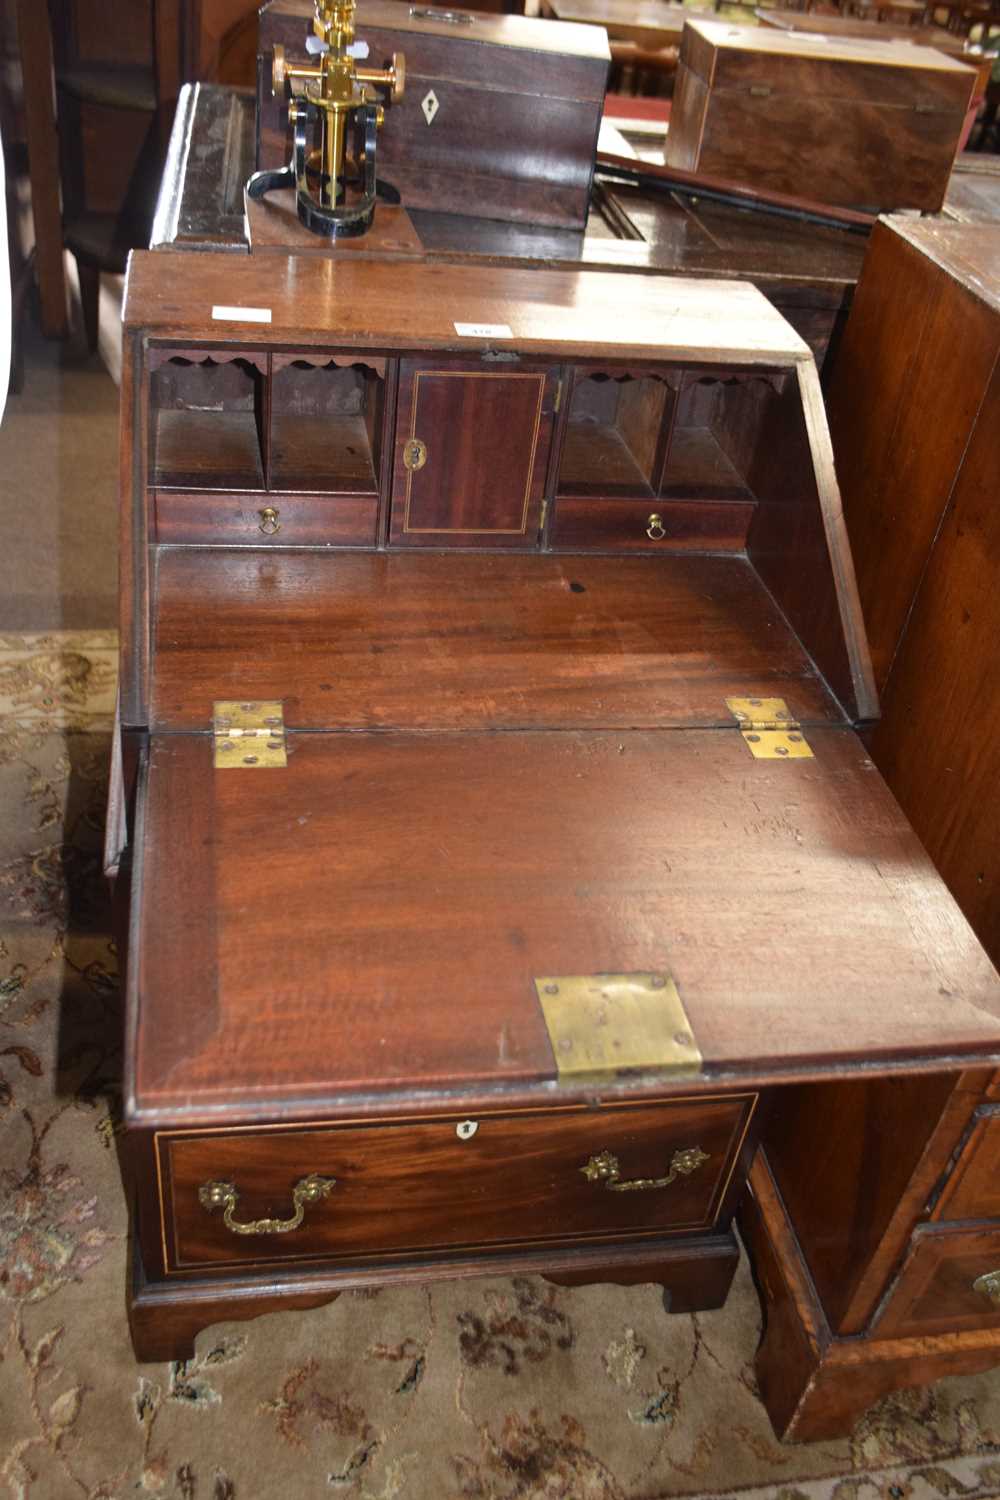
249,736
608,1024
769,729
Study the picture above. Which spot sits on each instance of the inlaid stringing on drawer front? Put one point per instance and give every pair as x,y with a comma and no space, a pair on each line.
337,1190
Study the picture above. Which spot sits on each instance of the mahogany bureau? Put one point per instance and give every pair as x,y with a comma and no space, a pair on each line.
500,849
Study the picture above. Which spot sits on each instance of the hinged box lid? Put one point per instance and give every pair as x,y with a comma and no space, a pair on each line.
456,24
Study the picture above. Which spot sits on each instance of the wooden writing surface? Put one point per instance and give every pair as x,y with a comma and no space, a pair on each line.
373,916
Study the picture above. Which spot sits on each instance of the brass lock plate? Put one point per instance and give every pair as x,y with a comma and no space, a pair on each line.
601,1025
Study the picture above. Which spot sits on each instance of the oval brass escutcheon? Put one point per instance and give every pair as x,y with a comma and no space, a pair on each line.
269,522
414,453
655,528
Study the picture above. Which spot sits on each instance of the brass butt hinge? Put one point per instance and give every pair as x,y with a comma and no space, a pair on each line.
769,729
558,401
249,736
543,515
603,1025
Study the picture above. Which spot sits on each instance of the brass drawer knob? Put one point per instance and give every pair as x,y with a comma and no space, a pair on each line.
989,1285
269,522
604,1169
655,528
414,453
312,1189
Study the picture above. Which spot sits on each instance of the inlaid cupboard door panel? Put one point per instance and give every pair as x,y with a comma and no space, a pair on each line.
472,446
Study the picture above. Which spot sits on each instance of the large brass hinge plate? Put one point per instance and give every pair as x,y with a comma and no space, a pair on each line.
249,736
769,729
609,1024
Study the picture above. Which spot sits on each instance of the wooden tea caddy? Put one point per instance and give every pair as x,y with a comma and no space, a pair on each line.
500,851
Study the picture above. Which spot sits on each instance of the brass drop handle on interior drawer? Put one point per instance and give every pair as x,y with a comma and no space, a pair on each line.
604,1169
213,1195
414,453
655,528
269,522
989,1285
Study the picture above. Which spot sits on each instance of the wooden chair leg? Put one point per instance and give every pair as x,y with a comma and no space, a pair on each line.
90,298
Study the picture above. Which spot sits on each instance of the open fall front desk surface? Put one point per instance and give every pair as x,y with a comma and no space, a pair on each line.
514,955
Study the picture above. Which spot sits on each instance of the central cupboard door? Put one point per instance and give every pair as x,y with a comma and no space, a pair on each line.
472,448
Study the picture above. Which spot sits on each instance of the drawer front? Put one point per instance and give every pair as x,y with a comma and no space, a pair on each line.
941,1288
973,1187
265,520
649,525
440,1184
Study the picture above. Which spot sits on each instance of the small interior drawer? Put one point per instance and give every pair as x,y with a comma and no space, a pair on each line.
204,518
448,1182
973,1187
586,524
941,1288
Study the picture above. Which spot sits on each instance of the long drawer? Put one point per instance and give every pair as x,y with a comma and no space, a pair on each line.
333,1191
950,1282
208,517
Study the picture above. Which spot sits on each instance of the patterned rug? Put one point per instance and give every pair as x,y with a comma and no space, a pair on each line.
495,1389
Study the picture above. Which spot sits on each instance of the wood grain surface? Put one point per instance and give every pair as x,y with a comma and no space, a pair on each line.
412,306
919,497
816,1386
583,525
896,459
342,950
519,103
466,641
939,744
486,435
856,1162
935,1292
877,123
972,1189
233,520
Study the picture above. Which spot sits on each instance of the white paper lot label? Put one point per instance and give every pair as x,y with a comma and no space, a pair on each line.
242,314
483,331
